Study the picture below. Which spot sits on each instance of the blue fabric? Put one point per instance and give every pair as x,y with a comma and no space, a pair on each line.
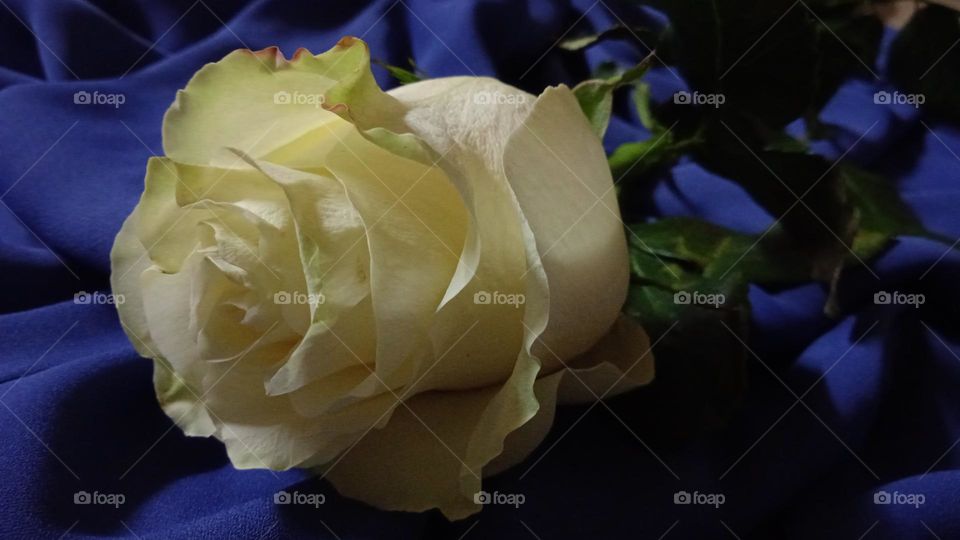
879,407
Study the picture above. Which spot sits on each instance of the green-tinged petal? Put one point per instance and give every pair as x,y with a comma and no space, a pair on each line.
259,101
357,91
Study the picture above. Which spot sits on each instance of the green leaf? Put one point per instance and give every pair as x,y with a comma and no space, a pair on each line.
630,161
716,252
616,32
774,62
404,76
821,224
596,95
881,213
642,103
699,352
701,363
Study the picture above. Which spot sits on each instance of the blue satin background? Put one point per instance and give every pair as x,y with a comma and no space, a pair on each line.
879,407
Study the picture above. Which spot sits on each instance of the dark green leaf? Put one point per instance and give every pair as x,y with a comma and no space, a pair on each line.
803,191
403,75
717,252
596,95
641,101
881,213
631,160
616,32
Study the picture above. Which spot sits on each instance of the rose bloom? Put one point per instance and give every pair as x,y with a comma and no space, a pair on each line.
393,289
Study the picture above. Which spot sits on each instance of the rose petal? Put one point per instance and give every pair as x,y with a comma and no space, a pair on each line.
436,448
248,101
432,452
558,170
621,361
414,224
495,260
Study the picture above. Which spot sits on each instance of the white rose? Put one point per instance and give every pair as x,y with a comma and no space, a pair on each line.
393,288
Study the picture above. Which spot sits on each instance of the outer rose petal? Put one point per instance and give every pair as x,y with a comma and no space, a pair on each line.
469,137
234,103
621,361
541,156
559,172
128,259
432,452
436,448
